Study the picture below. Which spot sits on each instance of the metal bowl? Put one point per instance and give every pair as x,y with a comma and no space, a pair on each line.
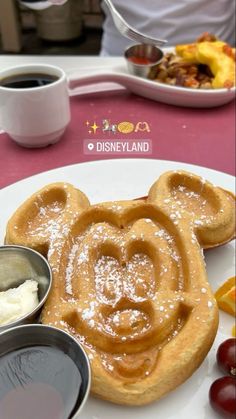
24,336
17,264
141,58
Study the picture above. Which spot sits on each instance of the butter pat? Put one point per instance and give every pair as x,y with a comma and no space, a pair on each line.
16,302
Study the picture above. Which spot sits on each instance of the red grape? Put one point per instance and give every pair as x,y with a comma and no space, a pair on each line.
226,356
222,395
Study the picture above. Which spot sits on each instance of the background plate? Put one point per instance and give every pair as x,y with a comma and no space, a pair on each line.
173,95
127,179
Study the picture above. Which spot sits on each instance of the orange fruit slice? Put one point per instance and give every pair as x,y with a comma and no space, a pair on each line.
226,296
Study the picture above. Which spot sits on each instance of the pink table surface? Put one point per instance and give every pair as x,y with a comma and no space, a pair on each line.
205,137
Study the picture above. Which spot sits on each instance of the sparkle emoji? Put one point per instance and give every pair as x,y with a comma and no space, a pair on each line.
92,128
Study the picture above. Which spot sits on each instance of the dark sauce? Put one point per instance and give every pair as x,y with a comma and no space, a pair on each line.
26,81
39,382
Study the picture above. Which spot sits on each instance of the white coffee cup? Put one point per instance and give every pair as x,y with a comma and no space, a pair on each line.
35,116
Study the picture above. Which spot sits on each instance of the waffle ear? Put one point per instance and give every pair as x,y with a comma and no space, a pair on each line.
45,217
208,210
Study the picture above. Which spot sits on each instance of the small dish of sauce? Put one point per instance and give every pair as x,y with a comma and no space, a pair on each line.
49,379
38,382
141,58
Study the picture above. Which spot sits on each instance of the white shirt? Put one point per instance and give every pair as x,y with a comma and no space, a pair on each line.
178,21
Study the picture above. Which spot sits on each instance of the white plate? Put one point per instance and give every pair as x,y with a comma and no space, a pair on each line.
125,179
173,95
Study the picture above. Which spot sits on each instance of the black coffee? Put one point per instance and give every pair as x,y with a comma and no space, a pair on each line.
28,80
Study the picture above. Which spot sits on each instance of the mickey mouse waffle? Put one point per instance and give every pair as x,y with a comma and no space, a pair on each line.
129,278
